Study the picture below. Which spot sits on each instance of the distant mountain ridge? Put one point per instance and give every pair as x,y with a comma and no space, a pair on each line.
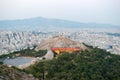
40,23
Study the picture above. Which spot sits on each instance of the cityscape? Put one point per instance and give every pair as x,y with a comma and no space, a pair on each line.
11,41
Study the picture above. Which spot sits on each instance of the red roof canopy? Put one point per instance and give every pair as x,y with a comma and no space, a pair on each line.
69,49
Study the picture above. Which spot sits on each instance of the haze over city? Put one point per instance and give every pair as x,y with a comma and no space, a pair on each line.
86,11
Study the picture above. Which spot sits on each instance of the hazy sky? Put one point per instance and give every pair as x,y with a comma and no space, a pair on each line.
99,11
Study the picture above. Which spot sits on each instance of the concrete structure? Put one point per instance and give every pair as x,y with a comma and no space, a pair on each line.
58,50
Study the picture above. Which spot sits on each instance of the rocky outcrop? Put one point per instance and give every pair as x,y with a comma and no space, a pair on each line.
59,41
10,73
49,55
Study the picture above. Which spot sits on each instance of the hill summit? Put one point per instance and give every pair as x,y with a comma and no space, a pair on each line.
59,42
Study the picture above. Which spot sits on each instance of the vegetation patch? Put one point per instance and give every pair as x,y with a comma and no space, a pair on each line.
96,64
26,53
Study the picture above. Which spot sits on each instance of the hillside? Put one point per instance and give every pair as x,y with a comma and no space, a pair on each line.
11,73
94,65
39,23
59,41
